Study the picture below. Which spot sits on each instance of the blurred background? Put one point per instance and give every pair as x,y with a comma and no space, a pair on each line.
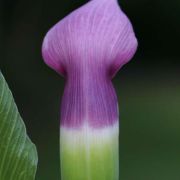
148,87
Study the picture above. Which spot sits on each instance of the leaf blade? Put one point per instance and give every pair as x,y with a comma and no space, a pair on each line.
18,155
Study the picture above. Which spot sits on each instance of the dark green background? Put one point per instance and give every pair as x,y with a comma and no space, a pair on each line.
148,87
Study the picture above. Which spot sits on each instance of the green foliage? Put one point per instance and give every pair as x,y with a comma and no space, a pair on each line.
18,155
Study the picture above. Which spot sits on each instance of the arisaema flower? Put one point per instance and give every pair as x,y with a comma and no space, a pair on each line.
88,47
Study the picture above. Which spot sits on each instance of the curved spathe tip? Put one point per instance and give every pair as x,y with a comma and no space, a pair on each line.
97,34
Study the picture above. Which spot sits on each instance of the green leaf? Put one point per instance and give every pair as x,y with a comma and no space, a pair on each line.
18,155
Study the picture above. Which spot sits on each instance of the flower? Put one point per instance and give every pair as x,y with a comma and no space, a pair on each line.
88,47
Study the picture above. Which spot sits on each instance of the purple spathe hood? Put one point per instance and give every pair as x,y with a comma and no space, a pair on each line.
88,47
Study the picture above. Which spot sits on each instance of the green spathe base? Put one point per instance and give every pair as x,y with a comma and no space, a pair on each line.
89,154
